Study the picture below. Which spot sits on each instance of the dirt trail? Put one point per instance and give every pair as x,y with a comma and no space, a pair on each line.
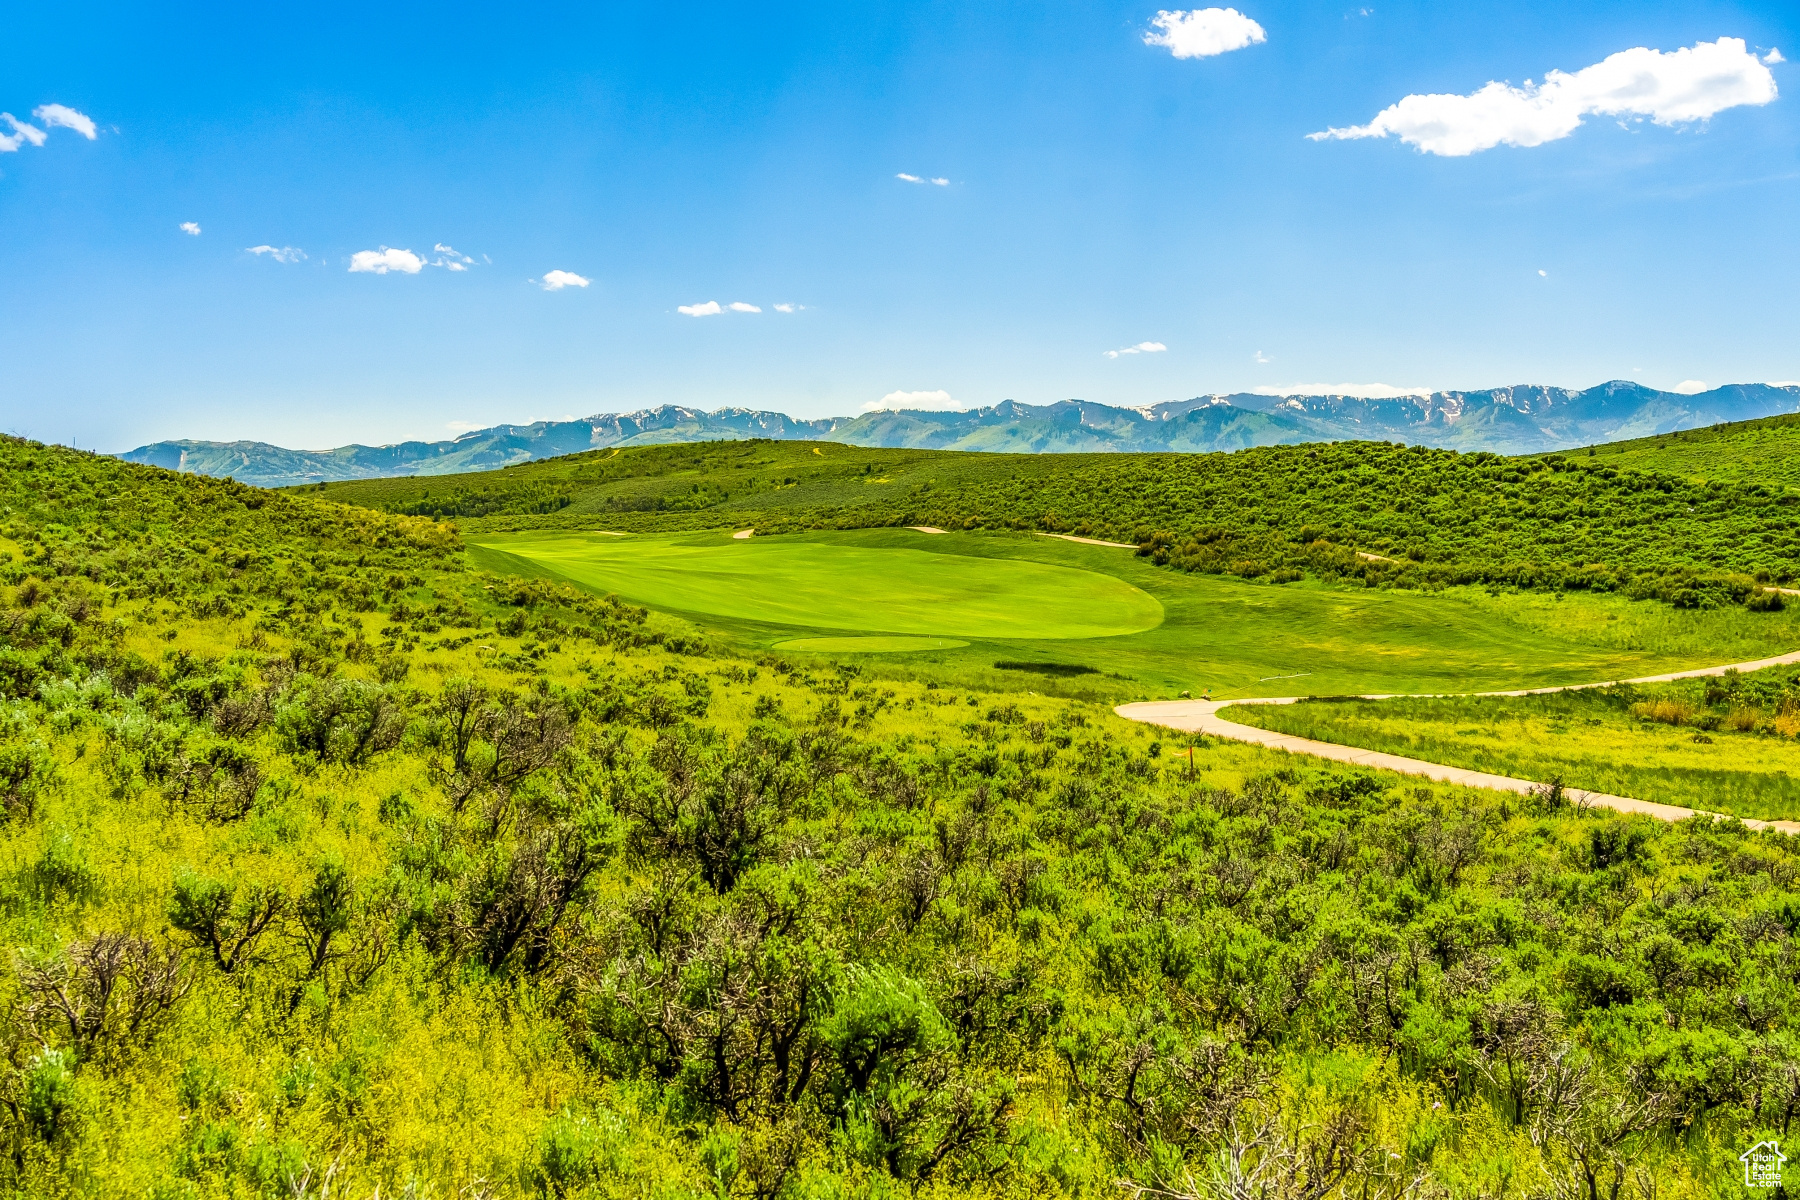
1201,716
1069,537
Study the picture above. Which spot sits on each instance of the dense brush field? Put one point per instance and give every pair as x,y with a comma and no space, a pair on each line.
1372,512
330,867
1761,451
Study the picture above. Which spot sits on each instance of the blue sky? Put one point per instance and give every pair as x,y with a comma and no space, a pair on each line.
1102,193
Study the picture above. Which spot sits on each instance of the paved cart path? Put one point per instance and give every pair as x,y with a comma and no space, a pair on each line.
1201,716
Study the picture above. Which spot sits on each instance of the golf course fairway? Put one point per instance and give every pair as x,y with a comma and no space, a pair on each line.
1115,625
875,589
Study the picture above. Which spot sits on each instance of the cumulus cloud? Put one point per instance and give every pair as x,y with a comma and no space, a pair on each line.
1204,32
282,254
1140,348
1677,88
191,228
1773,56
380,262
1362,391
740,306
61,116
556,281
1693,387
938,180
936,401
788,308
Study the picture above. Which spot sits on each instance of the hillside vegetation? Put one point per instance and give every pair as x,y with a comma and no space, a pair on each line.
1722,744
330,867
1374,513
1765,452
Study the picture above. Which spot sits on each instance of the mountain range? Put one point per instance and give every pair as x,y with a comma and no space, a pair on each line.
1510,420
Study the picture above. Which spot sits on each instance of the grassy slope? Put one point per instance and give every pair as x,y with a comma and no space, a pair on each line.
1599,739
1765,451
1005,926
1434,517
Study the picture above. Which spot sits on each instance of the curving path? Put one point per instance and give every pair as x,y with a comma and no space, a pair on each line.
1201,716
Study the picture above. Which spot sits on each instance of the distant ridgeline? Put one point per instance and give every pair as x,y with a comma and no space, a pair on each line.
1513,420
1372,512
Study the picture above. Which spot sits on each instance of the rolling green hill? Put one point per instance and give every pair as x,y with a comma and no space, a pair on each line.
326,858
1765,452
1370,513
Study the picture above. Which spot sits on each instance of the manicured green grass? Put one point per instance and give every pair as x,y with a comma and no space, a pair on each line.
1236,637
1589,739
876,644
880,588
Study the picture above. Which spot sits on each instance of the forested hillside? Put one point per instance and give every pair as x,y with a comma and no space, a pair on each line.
1373,512
331,868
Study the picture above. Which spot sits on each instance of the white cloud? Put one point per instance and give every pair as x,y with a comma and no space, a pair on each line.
713,308
938,180
1140,348
1692,387
380,262
191,228
556,281
1676,88
1204,32
1362,391
61,116
1773,56
21,133
281,254
450,258
788,308
1543,274
1262,359
937,401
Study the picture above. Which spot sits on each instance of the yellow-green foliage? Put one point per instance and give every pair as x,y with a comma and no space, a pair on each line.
1721,744
514,893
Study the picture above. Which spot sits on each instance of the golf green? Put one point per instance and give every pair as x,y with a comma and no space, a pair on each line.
875,589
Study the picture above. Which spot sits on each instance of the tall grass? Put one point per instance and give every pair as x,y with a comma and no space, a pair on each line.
1659,744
